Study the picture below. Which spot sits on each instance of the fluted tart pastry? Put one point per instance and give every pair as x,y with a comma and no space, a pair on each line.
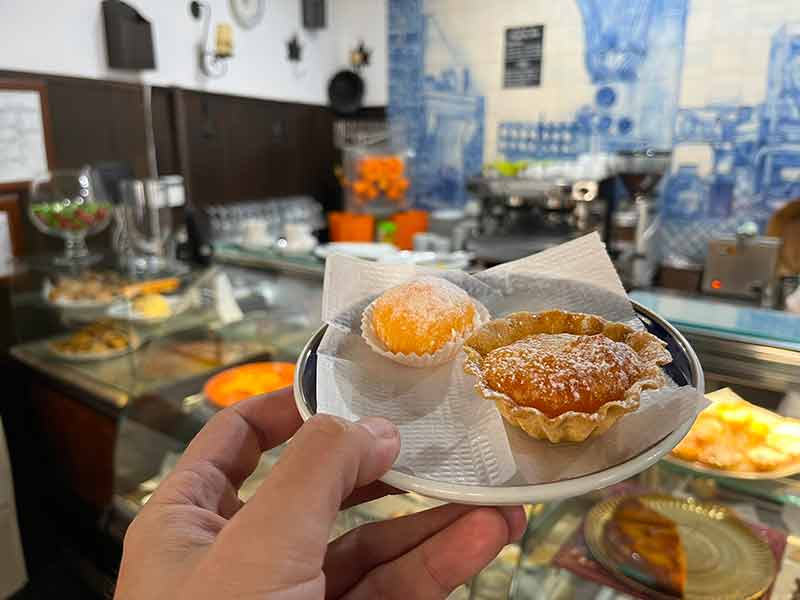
563,376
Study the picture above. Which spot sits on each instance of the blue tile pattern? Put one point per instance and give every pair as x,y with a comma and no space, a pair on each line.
634,59
441,112
634,55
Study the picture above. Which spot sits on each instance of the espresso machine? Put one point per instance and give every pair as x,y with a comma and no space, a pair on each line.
521,216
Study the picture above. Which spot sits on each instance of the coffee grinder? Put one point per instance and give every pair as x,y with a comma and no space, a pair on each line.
633,227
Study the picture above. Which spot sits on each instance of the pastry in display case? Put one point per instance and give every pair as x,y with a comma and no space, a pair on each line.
647,544
100,289
666,547
564,376
734,438
100,340
150,308
245,381
90,289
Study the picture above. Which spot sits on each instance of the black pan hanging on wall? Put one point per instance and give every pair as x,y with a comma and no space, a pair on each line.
346,88
346,92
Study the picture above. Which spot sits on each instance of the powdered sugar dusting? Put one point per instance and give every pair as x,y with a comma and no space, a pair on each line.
421,316
557,373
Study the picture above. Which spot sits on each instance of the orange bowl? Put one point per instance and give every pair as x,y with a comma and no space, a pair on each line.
245,381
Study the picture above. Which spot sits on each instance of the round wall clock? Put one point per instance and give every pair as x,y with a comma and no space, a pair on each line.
248,13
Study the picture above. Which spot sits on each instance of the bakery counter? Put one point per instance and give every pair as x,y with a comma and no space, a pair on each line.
85,406
122,423
240,315
553,559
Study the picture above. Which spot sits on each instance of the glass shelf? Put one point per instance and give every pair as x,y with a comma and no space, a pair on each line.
721,317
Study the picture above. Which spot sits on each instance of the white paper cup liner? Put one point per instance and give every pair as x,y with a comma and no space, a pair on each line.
444,354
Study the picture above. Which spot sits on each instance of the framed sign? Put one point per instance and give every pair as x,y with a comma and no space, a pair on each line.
25,140
523,56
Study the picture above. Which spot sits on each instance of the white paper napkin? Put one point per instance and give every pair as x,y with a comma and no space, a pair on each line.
448,431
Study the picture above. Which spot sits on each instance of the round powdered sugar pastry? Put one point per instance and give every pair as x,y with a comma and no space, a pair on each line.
421,323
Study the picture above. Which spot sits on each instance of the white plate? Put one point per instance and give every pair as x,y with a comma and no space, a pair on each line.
72,304
124,311
365,250
135,344
522,494
297,251
445,260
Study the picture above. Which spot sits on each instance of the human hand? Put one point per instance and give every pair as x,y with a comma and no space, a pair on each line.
196,540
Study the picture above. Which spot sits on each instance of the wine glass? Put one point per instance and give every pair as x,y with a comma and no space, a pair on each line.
62,203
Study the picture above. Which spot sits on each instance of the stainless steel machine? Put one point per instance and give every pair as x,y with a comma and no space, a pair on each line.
521,216
743,267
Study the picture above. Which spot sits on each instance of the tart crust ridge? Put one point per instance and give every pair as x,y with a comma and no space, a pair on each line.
569,426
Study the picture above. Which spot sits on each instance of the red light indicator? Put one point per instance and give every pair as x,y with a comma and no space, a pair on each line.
716,284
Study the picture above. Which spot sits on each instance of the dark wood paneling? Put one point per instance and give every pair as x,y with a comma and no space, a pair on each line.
164,128
244,148
93,120
82,438
228,148
98,121
205,142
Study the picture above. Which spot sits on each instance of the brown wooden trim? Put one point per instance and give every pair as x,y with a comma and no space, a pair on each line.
181,137
23,76
82,441
40,86
228,148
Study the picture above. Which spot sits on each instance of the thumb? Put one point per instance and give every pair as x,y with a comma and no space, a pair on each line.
297,503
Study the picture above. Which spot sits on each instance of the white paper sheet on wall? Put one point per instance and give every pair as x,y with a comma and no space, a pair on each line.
22,142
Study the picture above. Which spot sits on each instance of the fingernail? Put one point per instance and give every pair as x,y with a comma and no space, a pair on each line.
516,520
379,427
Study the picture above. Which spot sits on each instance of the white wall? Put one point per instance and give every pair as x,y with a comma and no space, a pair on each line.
66,37
366,20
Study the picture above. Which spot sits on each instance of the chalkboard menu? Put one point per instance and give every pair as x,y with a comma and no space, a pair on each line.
523,56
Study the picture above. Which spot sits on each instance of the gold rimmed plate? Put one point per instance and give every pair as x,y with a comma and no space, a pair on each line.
725,559
787,470
134,343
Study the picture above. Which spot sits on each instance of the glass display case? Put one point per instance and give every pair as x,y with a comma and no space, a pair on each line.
239,315
217,317
751,349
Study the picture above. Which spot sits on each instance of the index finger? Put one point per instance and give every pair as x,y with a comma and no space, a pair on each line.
296,504
231,443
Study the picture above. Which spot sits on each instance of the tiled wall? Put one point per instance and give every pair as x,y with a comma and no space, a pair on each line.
715,81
